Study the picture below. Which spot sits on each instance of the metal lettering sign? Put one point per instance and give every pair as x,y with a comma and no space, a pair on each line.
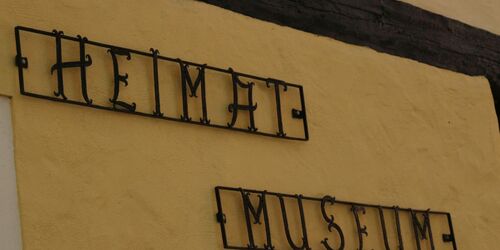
191,87
275,210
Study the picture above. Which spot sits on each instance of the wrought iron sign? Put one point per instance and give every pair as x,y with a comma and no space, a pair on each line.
257,205
191,87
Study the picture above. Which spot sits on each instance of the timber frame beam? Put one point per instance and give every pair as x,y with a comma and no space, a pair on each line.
388,26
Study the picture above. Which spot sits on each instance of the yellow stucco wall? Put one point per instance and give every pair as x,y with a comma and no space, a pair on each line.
383,130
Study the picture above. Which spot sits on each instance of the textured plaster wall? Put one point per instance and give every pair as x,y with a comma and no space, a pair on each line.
383,130
479,13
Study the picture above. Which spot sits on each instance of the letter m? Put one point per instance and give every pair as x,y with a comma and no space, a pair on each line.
421,231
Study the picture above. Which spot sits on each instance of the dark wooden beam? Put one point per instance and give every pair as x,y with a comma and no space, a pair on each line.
387,26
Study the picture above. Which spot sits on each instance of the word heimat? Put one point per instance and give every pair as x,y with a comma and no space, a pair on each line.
191,87
253,213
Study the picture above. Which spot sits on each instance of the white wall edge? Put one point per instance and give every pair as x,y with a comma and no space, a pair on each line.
10,225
